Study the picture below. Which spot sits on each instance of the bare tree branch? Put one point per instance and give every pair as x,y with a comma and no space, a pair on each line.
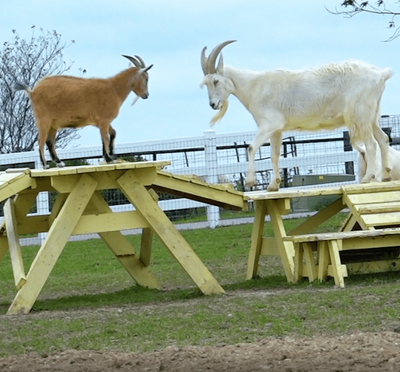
378,7
27,61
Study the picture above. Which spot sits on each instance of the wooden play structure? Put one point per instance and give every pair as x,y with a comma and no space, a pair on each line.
371,231
81,209
368,242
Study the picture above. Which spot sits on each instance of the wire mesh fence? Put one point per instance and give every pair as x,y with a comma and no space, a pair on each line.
308,159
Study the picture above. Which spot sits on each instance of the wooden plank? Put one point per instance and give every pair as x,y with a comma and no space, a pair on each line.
350,223
123,250
371,187
334,247
118,244
107,222
290,193
372,198
146,246
310,261
381,219
269,247
373,267
322,260
57,237
286,248
317,219
386,207
256,239
33,224
341,235
13,243
16,186
199,191
373,242
168,234
298,263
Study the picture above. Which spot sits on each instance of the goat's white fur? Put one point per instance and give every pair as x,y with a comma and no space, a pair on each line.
332,96
394,163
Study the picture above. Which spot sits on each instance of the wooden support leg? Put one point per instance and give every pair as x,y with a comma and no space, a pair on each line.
123,250
298,262
323,260
56,239
138,195
256,239
310,262
145,247
336,263
22,205
285,247
13,243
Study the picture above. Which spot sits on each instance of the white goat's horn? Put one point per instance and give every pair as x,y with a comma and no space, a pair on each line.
136,62
208,64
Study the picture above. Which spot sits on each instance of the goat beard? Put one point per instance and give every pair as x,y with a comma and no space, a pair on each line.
135,100
220,113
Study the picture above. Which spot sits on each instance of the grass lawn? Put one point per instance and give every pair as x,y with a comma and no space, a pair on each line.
89,301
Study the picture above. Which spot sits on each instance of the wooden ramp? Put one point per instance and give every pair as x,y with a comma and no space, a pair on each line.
81,209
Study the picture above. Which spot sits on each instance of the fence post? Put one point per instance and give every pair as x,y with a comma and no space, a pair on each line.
42,200
210,152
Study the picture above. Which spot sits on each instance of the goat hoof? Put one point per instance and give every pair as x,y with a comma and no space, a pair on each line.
272,188
387,179
61,164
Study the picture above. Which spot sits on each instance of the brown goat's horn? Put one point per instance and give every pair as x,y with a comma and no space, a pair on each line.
208,64
141,61
137,62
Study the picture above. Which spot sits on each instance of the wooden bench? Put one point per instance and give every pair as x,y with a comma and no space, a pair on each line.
328,246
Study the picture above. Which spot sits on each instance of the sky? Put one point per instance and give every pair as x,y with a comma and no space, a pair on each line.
288,34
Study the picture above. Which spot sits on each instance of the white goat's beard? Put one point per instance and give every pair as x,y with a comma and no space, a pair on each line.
134,101
220,113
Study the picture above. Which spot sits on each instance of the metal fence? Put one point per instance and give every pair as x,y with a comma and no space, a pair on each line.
309,159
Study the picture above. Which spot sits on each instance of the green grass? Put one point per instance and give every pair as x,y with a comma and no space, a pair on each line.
89,302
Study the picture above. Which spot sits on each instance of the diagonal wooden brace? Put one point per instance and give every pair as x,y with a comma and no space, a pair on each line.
137,194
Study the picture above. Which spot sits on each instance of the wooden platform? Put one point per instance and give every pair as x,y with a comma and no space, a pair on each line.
373,225
81,209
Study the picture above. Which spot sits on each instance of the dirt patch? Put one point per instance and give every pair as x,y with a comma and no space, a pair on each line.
356,352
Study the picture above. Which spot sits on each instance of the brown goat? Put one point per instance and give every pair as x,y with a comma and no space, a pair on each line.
70,102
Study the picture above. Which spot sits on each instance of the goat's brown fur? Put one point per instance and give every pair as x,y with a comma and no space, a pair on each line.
71,102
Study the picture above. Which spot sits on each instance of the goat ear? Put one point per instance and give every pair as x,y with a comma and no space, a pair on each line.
220,64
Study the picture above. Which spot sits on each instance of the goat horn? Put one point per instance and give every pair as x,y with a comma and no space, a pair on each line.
208,64
134,61
141,61
204,61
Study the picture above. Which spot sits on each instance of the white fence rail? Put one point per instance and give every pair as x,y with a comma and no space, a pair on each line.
215,158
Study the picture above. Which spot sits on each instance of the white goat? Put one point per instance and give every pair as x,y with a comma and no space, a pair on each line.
71,102
394,163
332,96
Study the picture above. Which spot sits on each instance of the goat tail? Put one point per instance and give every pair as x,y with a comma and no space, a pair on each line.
21,86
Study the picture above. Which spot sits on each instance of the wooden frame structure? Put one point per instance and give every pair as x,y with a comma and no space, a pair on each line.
81,209
373,223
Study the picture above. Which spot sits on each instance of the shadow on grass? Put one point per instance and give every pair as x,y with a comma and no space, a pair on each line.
137,295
